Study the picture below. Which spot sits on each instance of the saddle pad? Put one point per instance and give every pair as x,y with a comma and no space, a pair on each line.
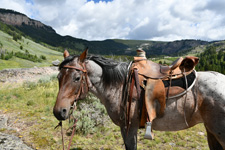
181,81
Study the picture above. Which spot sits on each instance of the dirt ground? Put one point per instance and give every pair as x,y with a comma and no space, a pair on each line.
9,78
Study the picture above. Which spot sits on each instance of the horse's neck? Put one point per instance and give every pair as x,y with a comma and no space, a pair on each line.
111,96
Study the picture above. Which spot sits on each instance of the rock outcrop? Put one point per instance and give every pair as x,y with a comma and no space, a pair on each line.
10,142
14,18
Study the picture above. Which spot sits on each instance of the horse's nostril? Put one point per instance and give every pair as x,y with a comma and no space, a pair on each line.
61,114
64,110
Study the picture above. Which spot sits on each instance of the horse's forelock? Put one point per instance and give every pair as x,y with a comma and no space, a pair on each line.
66,61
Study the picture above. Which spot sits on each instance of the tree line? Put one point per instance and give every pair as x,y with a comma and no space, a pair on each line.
211,60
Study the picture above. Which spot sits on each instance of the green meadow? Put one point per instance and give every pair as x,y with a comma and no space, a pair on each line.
30,109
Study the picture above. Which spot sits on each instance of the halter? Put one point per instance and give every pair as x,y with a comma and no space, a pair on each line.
77,95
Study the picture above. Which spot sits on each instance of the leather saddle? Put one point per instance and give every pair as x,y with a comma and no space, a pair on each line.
153,78
154,70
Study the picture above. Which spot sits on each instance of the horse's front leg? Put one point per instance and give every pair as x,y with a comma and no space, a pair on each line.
130,138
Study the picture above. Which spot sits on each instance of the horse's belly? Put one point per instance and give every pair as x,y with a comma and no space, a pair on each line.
173,119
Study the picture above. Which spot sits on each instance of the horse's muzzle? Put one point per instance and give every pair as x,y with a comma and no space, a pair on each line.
61,113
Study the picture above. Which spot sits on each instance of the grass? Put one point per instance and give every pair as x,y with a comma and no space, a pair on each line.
34,48
30,108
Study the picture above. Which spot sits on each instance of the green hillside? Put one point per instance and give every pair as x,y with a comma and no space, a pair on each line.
8,45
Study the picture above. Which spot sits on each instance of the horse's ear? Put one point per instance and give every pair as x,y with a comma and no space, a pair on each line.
66,53
83,55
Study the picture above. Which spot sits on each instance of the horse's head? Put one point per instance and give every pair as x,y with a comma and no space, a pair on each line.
73,84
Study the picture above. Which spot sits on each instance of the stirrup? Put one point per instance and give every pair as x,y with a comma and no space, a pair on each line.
148,134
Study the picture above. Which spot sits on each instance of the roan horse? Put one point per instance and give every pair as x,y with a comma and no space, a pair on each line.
105,78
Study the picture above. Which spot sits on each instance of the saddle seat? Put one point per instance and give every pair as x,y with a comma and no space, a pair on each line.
173,66
149,69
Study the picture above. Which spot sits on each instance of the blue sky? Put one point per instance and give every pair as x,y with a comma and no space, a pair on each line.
164,20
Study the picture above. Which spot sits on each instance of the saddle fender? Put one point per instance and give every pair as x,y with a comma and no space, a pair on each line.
154,90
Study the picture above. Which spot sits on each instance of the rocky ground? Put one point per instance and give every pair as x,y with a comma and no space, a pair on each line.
10,78
15,77
9,141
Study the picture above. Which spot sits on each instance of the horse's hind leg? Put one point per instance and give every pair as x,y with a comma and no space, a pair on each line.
213,115
213,142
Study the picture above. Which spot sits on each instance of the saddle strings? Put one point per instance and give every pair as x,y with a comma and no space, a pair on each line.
168,90
186,83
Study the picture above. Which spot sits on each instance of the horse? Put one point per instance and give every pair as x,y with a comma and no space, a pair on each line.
105,78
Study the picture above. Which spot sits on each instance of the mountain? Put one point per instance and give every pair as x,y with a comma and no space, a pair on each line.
45,34
14,18
42,33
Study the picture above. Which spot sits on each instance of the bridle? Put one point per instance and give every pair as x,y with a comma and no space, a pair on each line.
83,79
82,90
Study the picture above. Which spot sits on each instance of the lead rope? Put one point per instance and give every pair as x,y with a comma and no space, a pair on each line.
60,124
73,131
74,124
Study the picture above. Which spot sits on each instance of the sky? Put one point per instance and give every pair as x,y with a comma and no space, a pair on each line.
158,20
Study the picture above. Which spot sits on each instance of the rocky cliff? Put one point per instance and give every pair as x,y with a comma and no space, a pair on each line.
14,18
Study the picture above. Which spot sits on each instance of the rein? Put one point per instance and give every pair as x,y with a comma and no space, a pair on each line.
80,91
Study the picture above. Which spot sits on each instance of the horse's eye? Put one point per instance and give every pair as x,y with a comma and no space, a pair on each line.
76,79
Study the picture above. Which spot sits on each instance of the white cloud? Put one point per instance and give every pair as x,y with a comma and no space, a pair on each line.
130,19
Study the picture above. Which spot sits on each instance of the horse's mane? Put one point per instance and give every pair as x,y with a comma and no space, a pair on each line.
113,72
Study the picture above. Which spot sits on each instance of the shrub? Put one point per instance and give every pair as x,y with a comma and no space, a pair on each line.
43,57
28,56
90,114
6,55
29,85
1,45
16,36
44,80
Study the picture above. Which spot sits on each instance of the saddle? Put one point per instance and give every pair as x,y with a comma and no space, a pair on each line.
156,82
154,70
